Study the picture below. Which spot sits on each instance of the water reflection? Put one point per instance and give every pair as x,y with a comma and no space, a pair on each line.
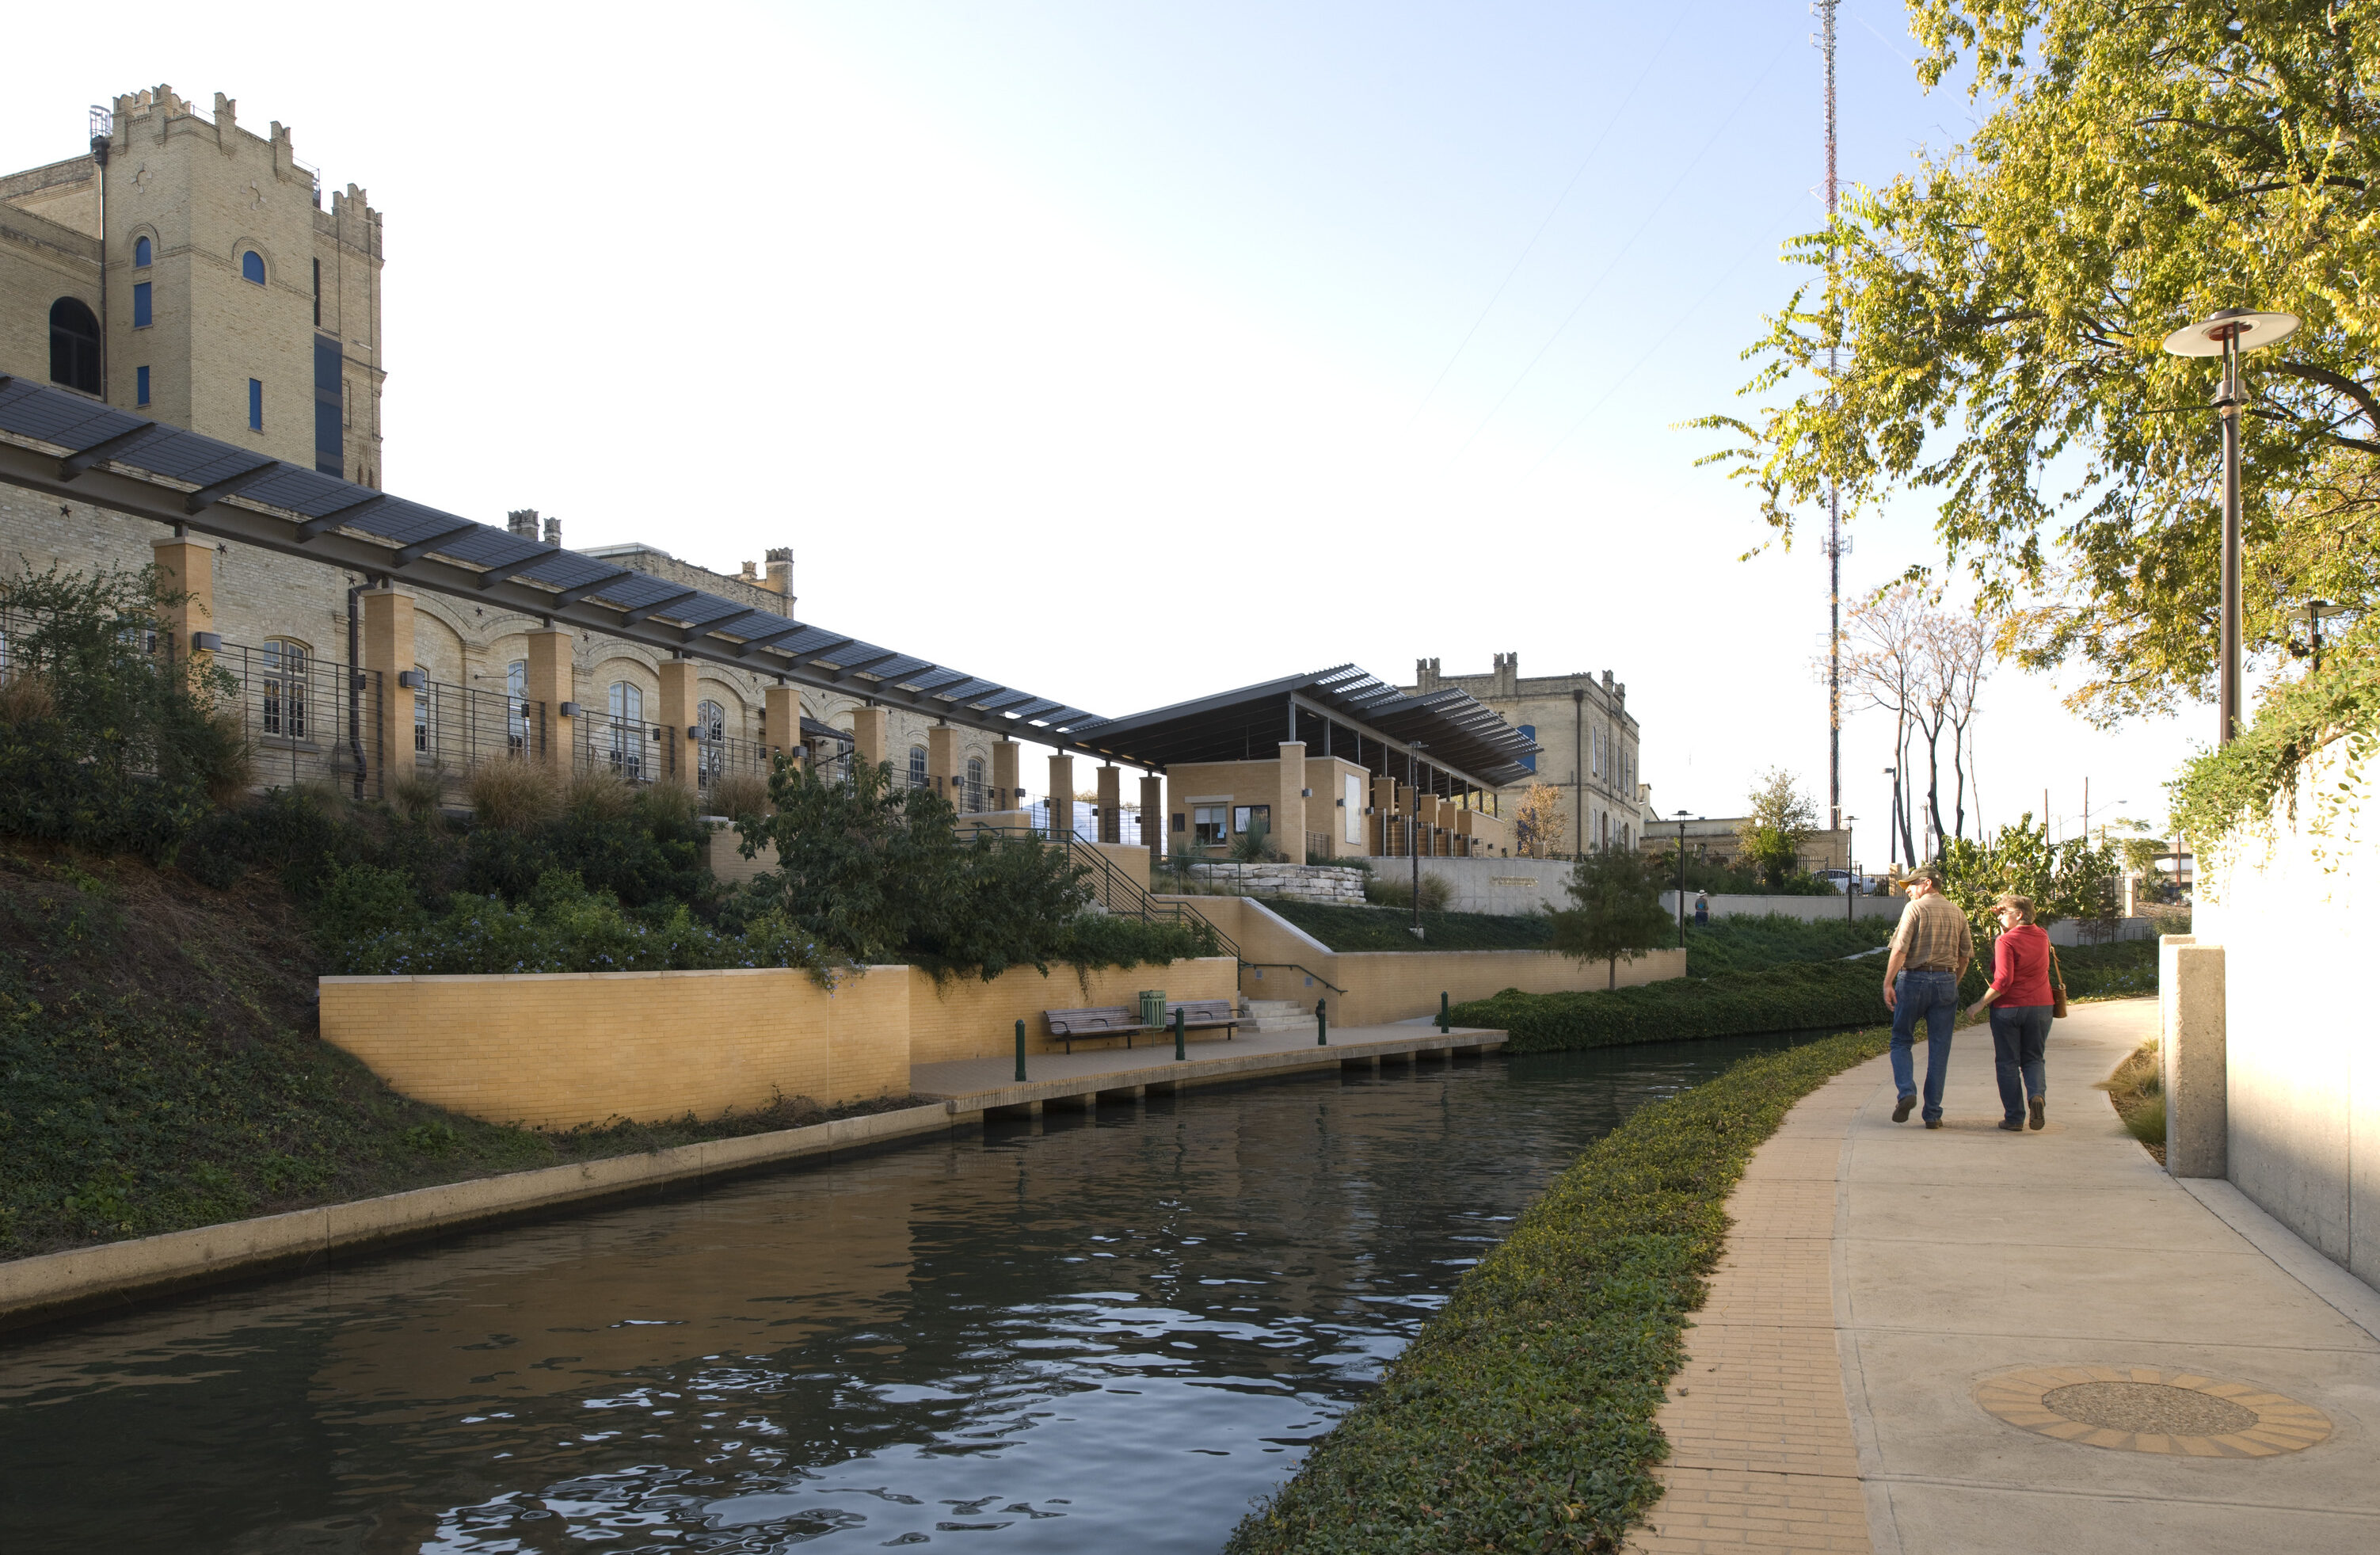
1092,1335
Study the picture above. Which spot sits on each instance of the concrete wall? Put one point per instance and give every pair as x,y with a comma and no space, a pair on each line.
1376,987
553,1051
2295,904
967,1017
1809,909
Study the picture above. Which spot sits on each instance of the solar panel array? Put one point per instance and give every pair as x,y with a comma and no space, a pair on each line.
91,434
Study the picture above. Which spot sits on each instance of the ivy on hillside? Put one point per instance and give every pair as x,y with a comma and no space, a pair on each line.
2239,785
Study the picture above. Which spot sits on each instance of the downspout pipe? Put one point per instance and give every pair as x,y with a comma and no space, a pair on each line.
355,686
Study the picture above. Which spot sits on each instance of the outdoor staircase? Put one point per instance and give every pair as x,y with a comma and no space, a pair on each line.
1275,1015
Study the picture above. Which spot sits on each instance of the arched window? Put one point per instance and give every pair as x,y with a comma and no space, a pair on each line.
975,785
627,732
283,687
516,707
251,267
916,766
421,714
711,756
140,255
74,346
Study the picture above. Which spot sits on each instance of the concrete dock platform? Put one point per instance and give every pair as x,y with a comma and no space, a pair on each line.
1119,1075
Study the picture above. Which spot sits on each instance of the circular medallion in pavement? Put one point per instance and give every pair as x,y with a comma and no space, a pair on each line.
2142,1409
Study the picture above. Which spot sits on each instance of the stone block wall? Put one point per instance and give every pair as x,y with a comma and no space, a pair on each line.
1299,882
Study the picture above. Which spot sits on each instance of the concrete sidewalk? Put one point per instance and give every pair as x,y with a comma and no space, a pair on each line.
1963,1340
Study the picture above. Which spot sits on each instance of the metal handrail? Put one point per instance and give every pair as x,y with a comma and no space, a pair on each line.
1115,891
1299,966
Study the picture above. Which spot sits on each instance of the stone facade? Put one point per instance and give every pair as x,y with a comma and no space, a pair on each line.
1320,883
1588,740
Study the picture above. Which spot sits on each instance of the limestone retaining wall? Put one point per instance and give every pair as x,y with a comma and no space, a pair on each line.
2295,907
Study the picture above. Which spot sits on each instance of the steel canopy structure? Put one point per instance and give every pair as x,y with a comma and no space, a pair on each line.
1449,731
68,445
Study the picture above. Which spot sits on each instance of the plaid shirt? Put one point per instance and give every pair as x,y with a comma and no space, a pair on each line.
1933,936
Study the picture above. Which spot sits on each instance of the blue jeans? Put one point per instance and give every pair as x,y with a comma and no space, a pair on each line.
1934,996
2020,1041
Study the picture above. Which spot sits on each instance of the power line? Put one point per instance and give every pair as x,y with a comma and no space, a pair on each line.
1584,162
1588,296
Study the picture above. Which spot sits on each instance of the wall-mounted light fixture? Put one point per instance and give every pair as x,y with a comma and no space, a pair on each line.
413,680
570,710
205,642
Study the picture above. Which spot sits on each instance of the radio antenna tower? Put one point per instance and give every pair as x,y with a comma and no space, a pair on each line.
1825,11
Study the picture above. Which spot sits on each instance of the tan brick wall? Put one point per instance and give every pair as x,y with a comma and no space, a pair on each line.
967,1017
1378,987
557,1051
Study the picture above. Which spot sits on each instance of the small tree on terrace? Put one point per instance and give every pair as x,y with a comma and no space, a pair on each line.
1538,823
1780,821
1615,912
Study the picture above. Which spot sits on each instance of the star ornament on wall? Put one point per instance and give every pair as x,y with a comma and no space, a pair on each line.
259,192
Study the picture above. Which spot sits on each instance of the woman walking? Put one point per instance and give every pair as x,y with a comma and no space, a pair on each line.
2019,1001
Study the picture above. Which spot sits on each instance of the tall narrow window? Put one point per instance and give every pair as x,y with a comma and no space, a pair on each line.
140,253
916,766
1529,733
421,714
283,689
140,305
74,346
516,707
627,732
256,405
252,268
330,443
318,294
711,756
140,379
975,785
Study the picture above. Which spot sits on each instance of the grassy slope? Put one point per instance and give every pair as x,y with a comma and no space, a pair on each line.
159,1067
1390,928
1521,1415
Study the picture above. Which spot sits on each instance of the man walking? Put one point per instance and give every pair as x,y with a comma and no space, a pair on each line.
1930,948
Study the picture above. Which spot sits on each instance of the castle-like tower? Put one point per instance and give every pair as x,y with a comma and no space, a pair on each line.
184,268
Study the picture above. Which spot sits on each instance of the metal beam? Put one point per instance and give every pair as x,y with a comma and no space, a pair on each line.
307,529
579,591
768,640
844,672
408,555
81,459
207,496
159,502
646,612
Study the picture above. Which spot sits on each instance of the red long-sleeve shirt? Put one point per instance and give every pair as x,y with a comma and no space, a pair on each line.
2020,968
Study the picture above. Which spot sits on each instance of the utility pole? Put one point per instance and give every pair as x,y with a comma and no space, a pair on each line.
1835,547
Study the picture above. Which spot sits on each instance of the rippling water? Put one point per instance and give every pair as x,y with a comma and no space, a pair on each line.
1095,1334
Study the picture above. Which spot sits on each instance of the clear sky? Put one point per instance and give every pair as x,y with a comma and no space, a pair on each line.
1130,352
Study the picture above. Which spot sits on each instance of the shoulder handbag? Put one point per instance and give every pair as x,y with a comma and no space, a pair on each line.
2056,987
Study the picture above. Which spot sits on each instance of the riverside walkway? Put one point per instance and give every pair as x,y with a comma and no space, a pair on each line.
1963,1340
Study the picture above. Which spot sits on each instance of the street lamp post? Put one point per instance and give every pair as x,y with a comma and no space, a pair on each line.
1892,826
2230,334
1682,879
2312,613
1413,831
1850,873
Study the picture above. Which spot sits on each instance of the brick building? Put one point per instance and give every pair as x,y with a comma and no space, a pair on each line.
1587,743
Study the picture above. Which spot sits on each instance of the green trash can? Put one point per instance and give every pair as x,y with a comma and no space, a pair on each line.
1152,1007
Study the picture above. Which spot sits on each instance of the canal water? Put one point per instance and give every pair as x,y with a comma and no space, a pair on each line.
1087,1334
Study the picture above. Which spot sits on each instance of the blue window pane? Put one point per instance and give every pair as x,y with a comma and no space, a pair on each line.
256,404
141,376
251,267
140,253
141,306
1529,732
330,453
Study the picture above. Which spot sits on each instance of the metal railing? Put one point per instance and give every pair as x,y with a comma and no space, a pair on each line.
1112,890
720,756
304,719
630,749
457,728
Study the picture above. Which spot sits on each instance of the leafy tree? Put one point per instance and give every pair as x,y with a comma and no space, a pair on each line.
1539,822
1987,329
1780,821
2073,879
1615,912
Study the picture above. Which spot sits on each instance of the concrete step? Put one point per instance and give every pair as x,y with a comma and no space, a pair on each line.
1271,1006
1275,1015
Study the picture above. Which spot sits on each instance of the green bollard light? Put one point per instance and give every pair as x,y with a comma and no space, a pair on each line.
1020,1053
1445,1022
1180,1051
1322,1024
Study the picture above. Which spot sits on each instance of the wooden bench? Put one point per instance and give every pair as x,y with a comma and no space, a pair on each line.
1071,1026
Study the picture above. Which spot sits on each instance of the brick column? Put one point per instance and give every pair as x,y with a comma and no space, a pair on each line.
943,765
781,711
1062,795
1384,803
1153,818
187,566
870,730
1006,794
388,651
1111,804
552,682
1289,811
676,756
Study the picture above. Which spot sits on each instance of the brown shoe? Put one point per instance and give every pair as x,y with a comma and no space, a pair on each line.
1933,1123
2039,1119
1900,1108
2011,1126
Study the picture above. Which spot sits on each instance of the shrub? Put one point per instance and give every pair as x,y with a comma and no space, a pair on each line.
1615,910
512,796
1387,890
1520,1417
643,846
738,795
416,793
1254,845
1807,997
